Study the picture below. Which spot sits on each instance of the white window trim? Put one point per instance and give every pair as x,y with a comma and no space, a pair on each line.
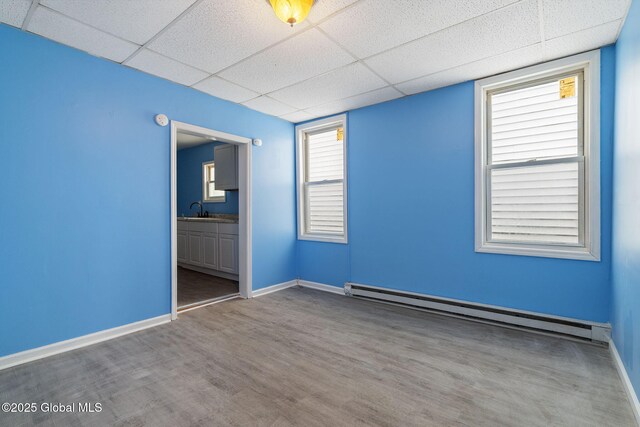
590,63
205,185
340,120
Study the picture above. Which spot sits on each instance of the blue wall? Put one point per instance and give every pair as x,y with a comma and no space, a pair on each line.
625,306
84,218
189,183
411,213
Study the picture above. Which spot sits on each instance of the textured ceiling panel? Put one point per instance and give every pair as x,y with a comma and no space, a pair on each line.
506,29
341,83
297,116
65,30
269,106
568,16
136,21
13,12
581,41
323,8
216,34
238,50
154,63
372,26
289,62
369,98
476,70
226,90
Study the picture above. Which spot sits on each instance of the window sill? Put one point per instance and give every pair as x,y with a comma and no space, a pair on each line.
582,254
323,239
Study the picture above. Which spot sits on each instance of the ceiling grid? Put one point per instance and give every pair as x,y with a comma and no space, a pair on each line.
348,54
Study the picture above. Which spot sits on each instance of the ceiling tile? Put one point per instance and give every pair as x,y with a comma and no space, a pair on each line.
582,41
226,90
161,66
65,30
216,34
372,26
341,83
506,29
529,55
297,116
323,8
137,21
374,97
13,12
568,16
289,62
268,105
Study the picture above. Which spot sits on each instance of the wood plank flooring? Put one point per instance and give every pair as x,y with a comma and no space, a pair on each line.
307,358
194,287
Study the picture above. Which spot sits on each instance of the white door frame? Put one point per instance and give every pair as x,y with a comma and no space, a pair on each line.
244,186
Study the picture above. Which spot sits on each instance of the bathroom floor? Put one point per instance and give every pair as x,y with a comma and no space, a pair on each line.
194,287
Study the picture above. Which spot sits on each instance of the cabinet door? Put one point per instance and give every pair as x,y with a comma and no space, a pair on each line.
210,248
195,247
226,159
228,259
182,246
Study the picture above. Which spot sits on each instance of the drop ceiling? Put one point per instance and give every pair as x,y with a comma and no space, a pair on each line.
346,55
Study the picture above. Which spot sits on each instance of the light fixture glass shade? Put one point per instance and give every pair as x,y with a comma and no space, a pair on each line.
291,11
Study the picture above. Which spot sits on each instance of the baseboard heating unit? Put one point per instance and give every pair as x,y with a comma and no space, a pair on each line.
581,330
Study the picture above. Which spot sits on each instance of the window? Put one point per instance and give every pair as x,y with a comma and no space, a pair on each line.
209,192
537,160
322,180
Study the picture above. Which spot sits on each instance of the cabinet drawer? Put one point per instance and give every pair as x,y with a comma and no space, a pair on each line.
183,225
209,227
225,228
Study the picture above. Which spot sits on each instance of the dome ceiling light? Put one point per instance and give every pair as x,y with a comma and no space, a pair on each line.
291,11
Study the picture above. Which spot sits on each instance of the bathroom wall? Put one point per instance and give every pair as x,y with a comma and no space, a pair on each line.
189,182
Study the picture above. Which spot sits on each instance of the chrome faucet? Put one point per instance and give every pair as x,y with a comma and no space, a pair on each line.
201,213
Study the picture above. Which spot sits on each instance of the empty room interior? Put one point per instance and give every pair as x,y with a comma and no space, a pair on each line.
329,212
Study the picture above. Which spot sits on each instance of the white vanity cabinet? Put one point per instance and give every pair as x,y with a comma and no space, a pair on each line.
210,246
182,241
210,250
226,158
228,244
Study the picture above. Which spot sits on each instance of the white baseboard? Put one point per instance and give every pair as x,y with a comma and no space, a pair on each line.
301,283
83,341
628,387
274,288
321,287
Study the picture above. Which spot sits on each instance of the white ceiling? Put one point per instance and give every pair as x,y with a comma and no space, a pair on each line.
186,140
347,54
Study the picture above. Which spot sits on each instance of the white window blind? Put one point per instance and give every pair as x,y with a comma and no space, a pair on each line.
323,183
535,162
321,170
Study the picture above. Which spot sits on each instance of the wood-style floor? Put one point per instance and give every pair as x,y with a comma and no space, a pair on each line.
194,287
307,358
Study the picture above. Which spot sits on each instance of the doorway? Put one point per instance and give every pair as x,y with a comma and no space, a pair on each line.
210,251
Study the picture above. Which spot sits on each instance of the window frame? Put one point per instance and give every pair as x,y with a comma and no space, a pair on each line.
589,65
314,127
205,185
